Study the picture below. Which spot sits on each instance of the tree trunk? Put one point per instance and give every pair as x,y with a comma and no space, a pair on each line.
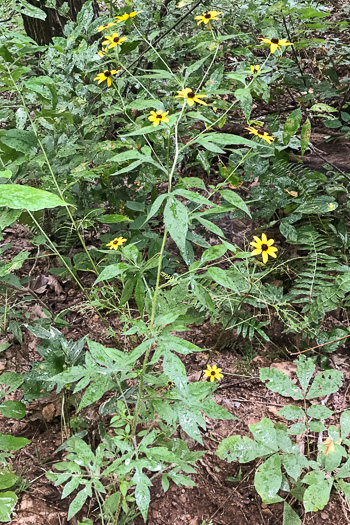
42,31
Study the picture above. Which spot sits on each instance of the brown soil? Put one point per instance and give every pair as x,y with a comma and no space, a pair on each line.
215,499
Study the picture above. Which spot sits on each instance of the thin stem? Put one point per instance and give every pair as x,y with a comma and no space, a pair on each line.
51,171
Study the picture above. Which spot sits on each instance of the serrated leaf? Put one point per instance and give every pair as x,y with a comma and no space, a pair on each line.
264,432
290,517
176,222
234,199
305,136
291,412
242,449
8,501
280,383
305,371
319,412
291,125
77,503
268,479
10,443
316,496
325,383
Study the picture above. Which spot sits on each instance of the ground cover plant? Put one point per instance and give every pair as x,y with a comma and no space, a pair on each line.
174,217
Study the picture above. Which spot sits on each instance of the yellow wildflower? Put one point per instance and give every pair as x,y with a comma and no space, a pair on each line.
114,40
126,16
157,117
102,52
191,96
213,372
264,247
268,138
118,241
106,75
255,69
207,17
105,26
275,43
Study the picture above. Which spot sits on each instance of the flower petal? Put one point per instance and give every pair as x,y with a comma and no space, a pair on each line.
257,251
263,238
265,257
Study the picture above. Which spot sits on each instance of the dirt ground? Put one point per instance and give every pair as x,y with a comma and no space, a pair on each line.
215,499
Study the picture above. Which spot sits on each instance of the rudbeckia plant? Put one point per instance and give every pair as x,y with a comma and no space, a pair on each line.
191,97
114,40
158,116
264,247
106,75
206,17
275,43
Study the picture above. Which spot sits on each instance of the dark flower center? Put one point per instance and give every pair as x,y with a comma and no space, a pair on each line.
255,69
207,15
264,247
107,73
116,39
274,40
115,241
159,116
191,94
212,373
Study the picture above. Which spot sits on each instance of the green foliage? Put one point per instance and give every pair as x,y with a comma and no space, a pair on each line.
290,468
82,164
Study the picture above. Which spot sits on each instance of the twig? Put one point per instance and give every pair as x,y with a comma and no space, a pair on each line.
31,292
323,344
293,51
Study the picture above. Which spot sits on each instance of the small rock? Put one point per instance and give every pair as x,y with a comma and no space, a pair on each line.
324,515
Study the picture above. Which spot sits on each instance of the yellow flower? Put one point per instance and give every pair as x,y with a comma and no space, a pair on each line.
191,96
118,241
275,43
102,52
264,247
213,372
255,69
105,26
157,117
114,40
268,138
106,75
206,17
126,16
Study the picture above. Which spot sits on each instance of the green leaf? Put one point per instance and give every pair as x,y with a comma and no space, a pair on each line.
305,136
210,226
7,479
290,517
325,383
142,494
222,277
344,471
111,271
95,391
113,218
176,222
245,98
291,412
20,197
214,411
345,424
316,496
6,174
280,383
293,463
20,140
234,199
226,139
14,409
193,196
10,443
322,107
203,296
297,429
28,9
8,501
189,424
305,371
140,295
242,449
214,252
316,426
291,125
77,503
319,412
268,479
175,370
264,432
